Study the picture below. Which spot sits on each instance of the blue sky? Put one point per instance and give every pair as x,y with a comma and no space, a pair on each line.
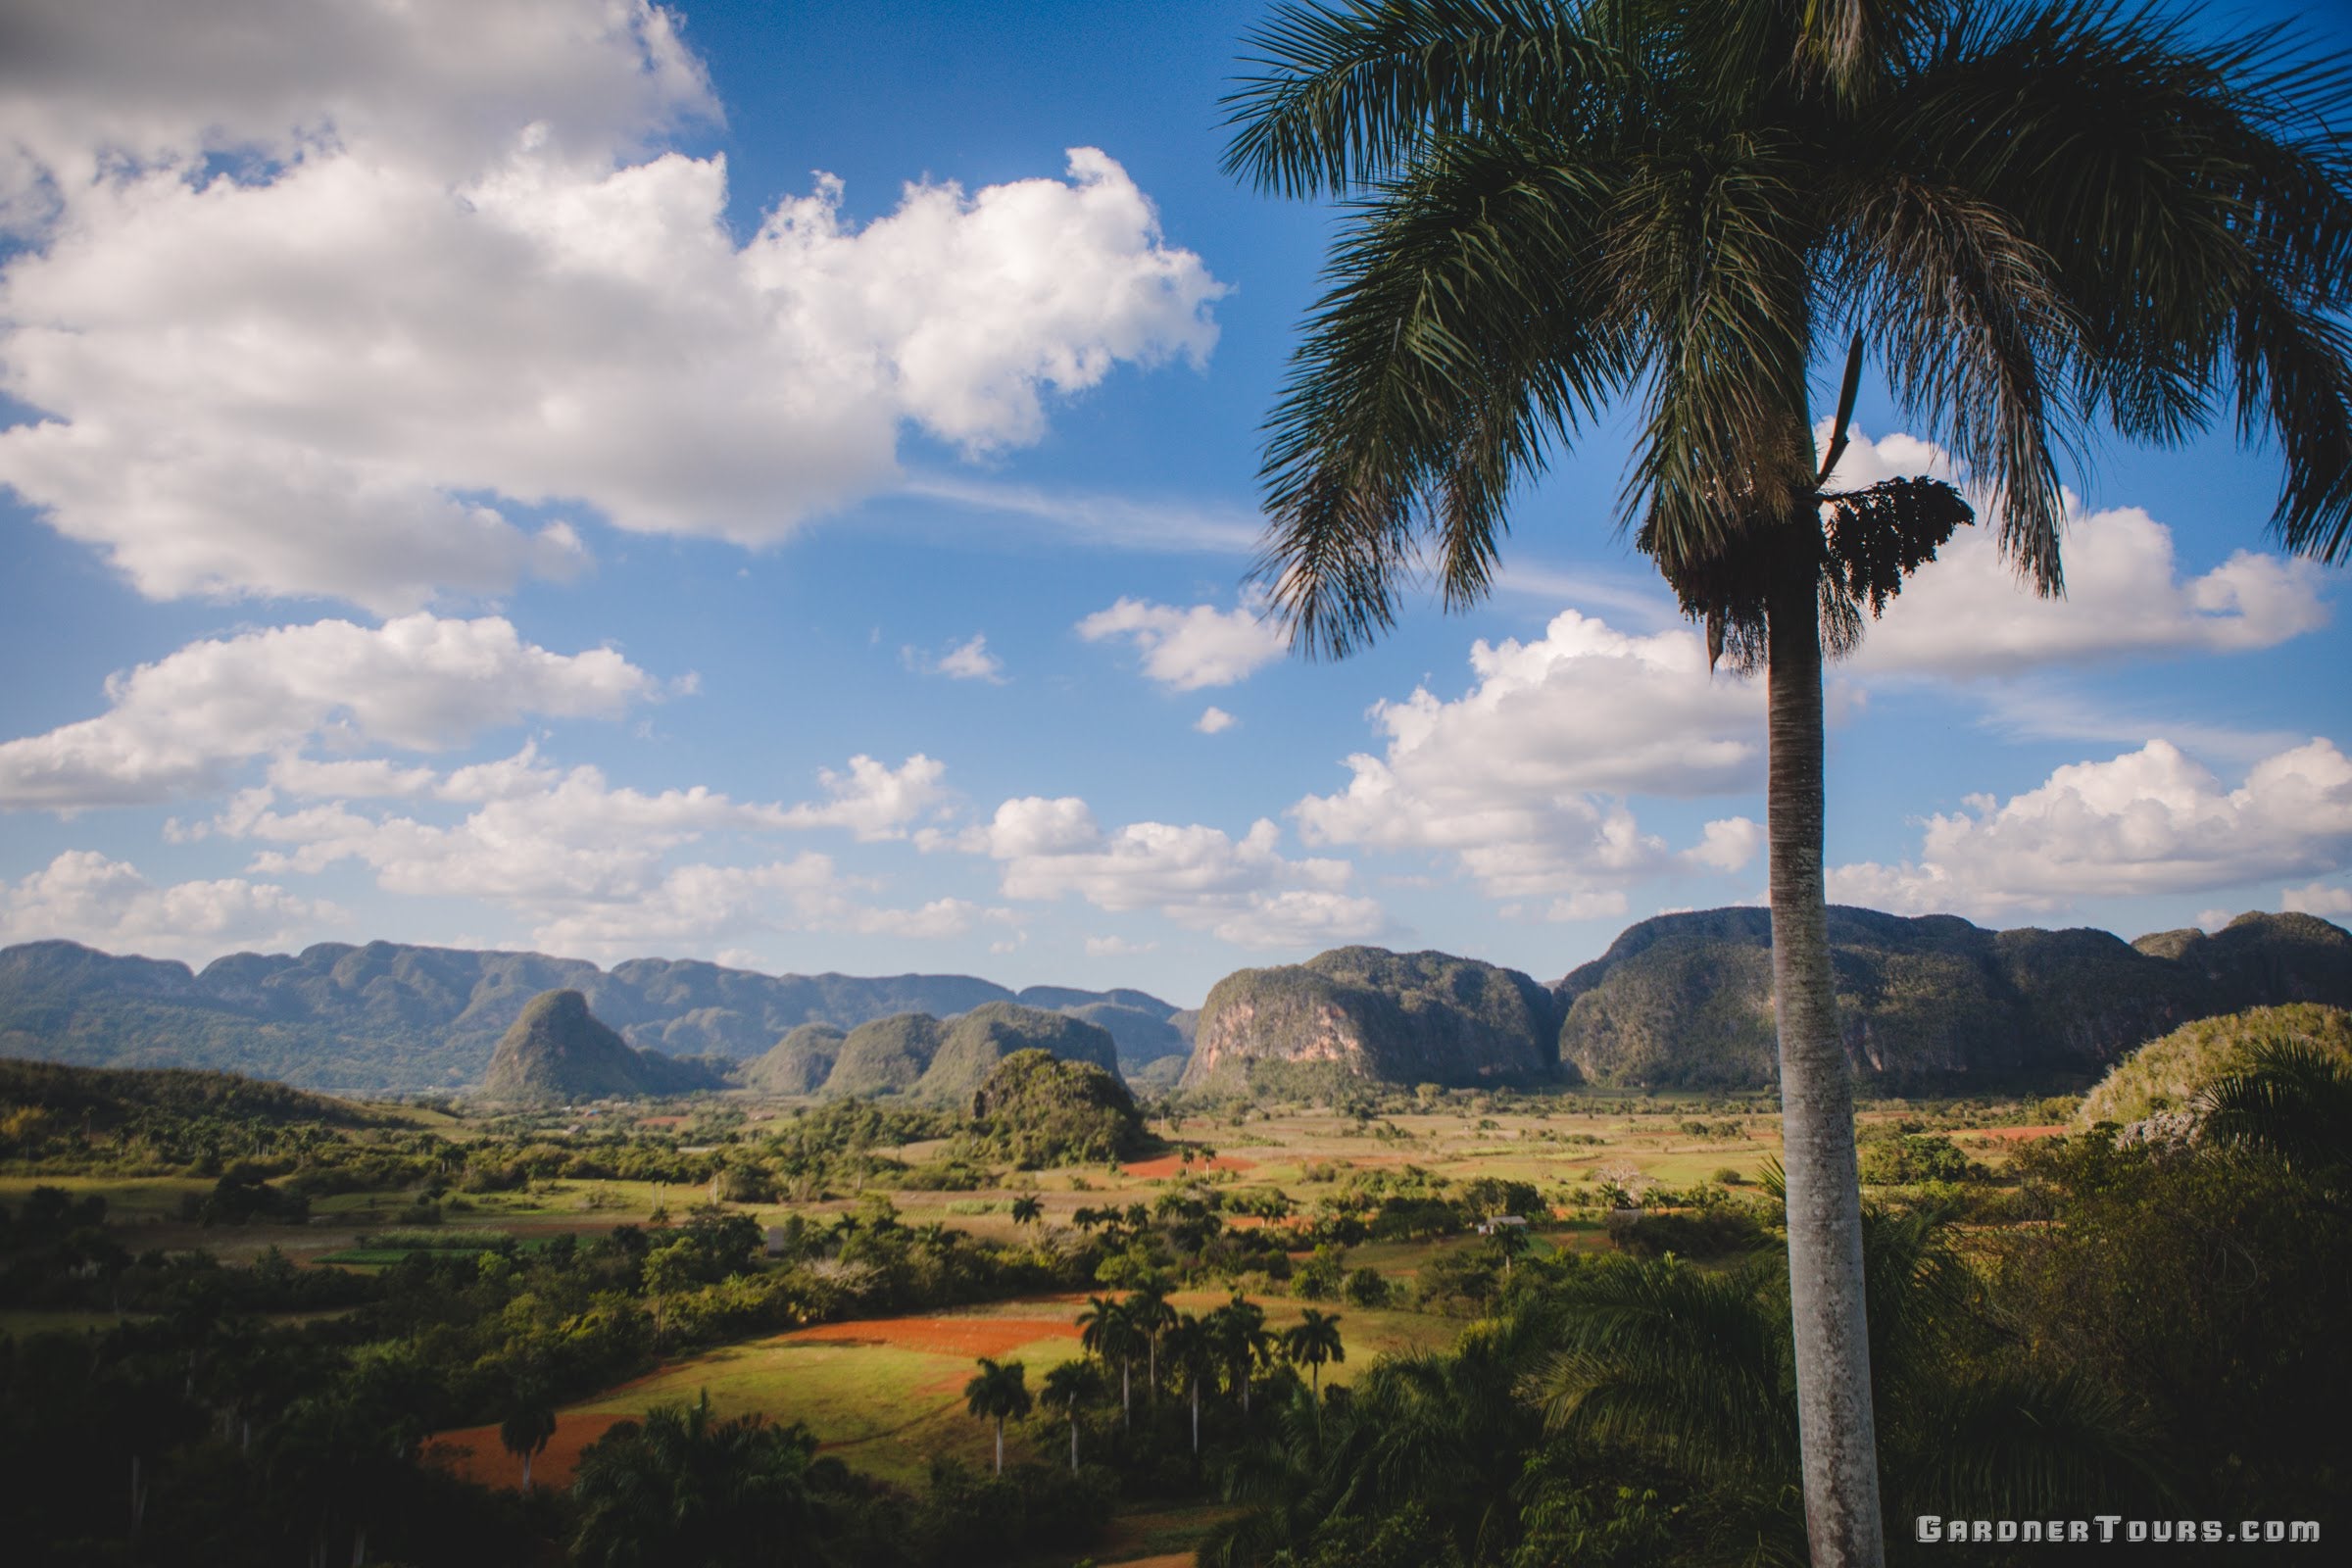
773,483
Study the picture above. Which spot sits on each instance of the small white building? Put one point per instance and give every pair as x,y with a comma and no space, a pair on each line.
1501,1222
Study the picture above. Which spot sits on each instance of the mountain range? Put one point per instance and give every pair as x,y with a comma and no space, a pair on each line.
386,1016
1928,1003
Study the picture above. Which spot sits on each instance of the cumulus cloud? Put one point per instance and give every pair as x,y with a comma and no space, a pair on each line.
1242,891
2151,821
421,683
1969,614
1521,779
972,661
348,372
85,897
87,87
1188,649
1116,948
592,869
1214,720
872,800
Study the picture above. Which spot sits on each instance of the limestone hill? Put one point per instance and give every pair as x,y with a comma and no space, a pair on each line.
557,1051
1365,1013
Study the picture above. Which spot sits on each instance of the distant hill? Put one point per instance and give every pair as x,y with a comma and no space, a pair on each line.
557,1050
946,1062
799,1063
1365,1013
1686,999
388,1016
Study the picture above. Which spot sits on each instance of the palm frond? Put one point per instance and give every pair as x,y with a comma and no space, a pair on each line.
1345,96
1461,334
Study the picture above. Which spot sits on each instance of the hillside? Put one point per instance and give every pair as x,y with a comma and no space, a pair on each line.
971,1047
799,1063
388,1016
2166,1074
925,1058
105,1098
557,1050
1686,999
1365,1013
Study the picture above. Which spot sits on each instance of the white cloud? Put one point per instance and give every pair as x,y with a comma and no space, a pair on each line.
2151,821
1518,779
590,868
1969,614
343,374
1214,720
972,661
2317,897
874,801
1116,948
1242,891
180,724
85,897
1185,650
1726,844
87,87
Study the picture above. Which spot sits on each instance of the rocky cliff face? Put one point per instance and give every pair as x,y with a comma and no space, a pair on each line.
1686,999
1365,1013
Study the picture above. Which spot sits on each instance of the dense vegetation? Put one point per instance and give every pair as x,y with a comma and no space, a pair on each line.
2166,1074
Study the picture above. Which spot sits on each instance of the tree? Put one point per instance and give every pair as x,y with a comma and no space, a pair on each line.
1312,1341
1026,1208
1238,1330
2293,1100
1193,1356
1149,1310
1106,1328
997,1392
530,1422
2036,217
682,1486
1069,1387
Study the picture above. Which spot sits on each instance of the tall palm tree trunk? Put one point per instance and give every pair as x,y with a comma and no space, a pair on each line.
1073,1442
1836,1433
1000,1444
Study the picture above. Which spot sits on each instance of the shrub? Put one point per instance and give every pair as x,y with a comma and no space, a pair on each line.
1368,1287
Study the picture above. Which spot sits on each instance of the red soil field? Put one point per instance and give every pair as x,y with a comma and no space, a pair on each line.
662,1121
489,1464
973,1336
2016,1133
1172,1166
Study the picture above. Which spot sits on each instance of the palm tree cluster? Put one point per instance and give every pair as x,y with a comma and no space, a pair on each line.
2035,217
1228,1349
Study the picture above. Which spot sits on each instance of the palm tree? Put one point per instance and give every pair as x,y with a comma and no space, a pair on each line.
682,1486
2294,1101
1106,1328
1193,1356
1237,1328
2035,217
528,1426
1314,1340
1026,1208
996,1393
1069,1386
1149,1310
